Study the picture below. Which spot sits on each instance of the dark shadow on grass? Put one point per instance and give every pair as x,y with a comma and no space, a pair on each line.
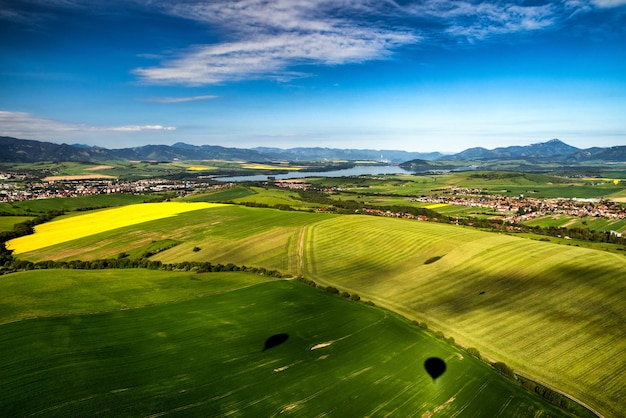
435,367
275,340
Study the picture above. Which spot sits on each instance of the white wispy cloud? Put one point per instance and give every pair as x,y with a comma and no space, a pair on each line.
27,125
182,99
139,128
266,39
608,3
22,123
479,20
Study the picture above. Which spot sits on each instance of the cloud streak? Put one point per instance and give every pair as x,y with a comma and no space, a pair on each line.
167,100
25,125
266,40
138,128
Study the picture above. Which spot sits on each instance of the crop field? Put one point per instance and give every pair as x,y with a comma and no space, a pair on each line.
271,167
224,233
210,356
69,229
553,312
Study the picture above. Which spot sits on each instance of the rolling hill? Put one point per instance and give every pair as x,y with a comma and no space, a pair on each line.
550,311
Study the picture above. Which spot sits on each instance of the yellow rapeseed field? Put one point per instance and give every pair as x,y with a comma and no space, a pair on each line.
270,167
437,205
200,168
68,229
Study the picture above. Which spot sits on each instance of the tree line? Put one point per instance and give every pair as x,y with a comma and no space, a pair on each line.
128,263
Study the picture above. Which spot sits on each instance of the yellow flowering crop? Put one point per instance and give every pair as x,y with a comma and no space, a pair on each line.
200,168
68,229
437,205
270,167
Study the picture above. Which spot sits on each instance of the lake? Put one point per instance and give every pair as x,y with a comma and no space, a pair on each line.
360,170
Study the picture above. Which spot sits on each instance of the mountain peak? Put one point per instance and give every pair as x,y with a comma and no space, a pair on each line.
552,148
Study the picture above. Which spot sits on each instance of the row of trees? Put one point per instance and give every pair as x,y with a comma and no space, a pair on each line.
127,263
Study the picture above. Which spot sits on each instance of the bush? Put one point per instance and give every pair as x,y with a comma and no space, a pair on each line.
332,290
196,249
504,369
473,352
345,294
355,297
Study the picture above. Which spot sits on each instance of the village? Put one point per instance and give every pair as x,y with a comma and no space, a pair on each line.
15,188
521,208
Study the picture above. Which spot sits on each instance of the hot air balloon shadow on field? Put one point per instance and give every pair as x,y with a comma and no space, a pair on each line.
274,340
435,367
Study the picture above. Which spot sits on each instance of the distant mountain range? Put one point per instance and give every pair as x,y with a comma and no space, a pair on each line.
22,150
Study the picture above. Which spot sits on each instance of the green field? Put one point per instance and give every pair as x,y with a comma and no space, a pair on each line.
41,293
253,195
7,222
222,195
27,207
205,356
553,312
589,222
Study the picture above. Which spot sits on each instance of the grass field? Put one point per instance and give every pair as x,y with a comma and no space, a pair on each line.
590,222
7,222
553,312
229,194
27,207
42,293
206,357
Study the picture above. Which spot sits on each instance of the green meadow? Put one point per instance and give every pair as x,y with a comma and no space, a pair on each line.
7,222
552,312
589,222
209,355
28,207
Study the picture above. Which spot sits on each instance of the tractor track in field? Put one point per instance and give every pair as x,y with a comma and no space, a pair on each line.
301,251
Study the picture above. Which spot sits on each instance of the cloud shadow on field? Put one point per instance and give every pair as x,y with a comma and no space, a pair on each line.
567,294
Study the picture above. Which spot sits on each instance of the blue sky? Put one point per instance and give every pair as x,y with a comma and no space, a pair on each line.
427,75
